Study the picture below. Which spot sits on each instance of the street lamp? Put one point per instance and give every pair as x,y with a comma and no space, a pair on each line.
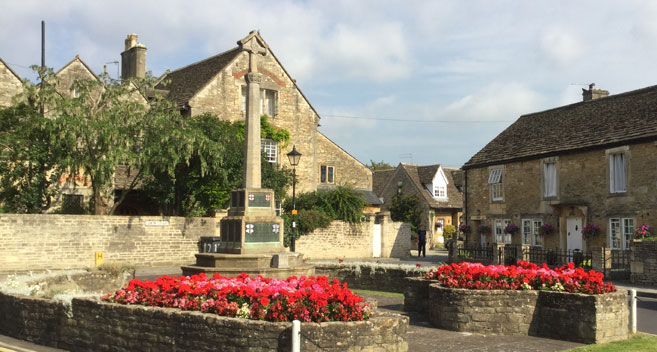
294,157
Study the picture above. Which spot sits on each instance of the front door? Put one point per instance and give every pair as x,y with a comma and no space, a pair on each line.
574,234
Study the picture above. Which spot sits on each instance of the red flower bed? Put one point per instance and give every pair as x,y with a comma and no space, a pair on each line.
524,276
307,298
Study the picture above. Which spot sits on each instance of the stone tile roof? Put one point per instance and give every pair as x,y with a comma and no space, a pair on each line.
418,174
184,82
380,179
600,123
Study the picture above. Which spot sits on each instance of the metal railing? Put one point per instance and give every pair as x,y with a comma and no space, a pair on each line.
476,253
510,253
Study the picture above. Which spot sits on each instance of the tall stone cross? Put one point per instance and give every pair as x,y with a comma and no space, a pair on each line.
252,153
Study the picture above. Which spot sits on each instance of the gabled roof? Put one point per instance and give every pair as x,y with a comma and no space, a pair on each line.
185,82
380,180
77,58
10,70
418,174
600,123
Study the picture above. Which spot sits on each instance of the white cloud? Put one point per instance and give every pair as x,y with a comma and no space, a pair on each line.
495,102
561,45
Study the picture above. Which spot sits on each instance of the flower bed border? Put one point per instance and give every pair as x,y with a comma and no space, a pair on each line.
92,325
566,316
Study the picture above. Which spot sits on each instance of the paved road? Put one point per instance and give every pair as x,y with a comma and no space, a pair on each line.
646,311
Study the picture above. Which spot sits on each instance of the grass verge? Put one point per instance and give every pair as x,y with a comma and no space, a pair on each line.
378,293
639,342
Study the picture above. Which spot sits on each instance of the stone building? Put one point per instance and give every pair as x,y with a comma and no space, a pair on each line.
440,196
217,85
588,162
10,84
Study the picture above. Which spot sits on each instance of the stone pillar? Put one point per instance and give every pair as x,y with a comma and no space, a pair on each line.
600,259
252,153
524,252
498,253
453,254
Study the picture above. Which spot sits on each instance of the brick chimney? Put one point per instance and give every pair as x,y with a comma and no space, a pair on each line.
592,93
133,59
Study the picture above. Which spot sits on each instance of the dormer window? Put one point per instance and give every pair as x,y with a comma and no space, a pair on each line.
439,191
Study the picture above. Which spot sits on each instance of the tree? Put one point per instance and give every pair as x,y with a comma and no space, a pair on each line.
200,185
29,155
406,208
381,165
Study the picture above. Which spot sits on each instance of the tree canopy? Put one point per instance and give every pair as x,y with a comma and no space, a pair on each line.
81,134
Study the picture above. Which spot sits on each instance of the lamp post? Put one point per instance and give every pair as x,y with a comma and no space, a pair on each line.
294,157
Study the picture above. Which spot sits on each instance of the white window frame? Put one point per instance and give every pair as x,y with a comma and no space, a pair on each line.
531,232
496,184
549,179
620,232
498,230
617,172
270,148
268,102
440,191
328,174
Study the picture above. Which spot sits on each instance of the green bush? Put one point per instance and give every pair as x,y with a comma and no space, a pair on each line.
449,231
307,222
318,209
406,208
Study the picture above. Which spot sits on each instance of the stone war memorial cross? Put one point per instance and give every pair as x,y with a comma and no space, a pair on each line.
251,233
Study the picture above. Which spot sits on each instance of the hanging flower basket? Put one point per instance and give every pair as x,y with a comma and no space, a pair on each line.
465,228
591,231
511,229
546,229
643,231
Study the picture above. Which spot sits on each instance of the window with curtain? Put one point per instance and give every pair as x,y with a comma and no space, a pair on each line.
549,179
617,180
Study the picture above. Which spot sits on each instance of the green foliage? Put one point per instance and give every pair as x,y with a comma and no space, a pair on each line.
307,222
406,208
199,185
30,149
318,209
449,231
381,165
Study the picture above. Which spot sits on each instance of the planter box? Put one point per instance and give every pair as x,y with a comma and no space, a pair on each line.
91,325
565,316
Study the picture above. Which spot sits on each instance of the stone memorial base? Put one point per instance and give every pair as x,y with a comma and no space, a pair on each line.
277,266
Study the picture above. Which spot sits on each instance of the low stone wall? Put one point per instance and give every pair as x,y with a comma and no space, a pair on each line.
356,240
566,316
643,262
48,241
379,277
91,325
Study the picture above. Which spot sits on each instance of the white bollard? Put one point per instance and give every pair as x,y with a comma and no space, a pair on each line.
633,310
296,336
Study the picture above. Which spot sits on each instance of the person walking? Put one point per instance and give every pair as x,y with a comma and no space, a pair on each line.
422,241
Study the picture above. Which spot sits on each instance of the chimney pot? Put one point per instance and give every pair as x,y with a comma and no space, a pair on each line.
133,59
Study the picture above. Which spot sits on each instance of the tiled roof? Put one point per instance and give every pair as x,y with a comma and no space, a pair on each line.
183,83
454,197
427,173
604,122
380,179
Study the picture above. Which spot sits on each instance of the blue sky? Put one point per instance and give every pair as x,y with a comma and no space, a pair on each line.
413,81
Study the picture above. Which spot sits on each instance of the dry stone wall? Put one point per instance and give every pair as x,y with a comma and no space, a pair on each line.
643,262
91,325
566,316
44,241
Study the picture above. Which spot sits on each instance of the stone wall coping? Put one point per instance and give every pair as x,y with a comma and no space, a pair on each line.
469,292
